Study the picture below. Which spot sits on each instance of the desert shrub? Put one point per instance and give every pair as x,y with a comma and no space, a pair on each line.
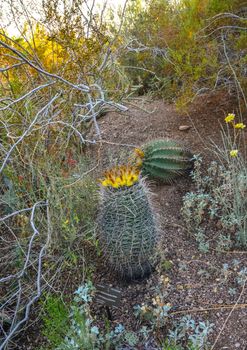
195,333
83,333
46,224
65,42
221,201
57,325
220,194
82,330
54,319
173,334
178,51
57,77
72,207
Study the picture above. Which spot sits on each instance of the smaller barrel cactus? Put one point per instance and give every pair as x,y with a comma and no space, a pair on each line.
127,223
163,159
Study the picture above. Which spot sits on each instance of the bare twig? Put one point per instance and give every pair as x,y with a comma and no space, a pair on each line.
81,87
26,132
22,271
5,69
29,93
228,317
16,325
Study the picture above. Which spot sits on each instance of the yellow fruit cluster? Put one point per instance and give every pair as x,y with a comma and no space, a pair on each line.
139,155
139,152
120,176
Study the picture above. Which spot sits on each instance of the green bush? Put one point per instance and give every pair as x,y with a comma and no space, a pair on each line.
175,56
220,194
55,320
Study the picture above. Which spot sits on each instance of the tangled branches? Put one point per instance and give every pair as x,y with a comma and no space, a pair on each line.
21,295
54,87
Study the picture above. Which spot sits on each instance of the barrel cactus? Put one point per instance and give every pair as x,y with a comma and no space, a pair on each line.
127,223
163,159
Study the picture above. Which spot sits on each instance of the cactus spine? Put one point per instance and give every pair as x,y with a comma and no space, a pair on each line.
127,223
163,159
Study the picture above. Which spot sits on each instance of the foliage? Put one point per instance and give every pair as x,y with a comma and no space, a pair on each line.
81,333
84,334
196,334
55,320
234,274
57,76
184,333
220,195
127,226
69,211
60,44
59,229
164,159
177,50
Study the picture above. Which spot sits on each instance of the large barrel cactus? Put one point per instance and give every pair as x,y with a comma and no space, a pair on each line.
163,159
127,223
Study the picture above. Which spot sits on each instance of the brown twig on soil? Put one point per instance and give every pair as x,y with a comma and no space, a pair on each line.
118,144
233,308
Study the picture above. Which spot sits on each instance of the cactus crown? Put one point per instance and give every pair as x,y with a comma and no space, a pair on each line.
121,176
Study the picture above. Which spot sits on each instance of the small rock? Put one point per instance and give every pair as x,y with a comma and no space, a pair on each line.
220,301
237,345
184,127
219,224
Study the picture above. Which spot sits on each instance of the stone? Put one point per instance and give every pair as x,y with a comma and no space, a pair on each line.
184,127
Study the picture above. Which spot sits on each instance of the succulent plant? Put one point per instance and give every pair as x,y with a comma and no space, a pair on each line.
163,159
127,223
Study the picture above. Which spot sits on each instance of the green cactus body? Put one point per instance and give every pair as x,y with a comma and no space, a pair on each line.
128,230
165,160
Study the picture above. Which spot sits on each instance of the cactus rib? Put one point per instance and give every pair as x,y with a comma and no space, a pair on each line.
164,159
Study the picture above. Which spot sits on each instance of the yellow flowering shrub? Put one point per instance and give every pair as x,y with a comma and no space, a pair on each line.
229,118
234,153
239,126
177,56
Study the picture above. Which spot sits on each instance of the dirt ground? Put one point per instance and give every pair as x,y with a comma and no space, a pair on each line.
196,286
